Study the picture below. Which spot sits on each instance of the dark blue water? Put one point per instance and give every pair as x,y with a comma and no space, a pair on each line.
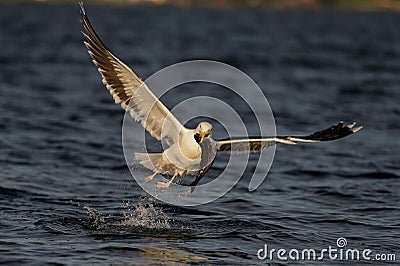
66,195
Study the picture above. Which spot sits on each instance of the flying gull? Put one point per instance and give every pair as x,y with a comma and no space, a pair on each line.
190,151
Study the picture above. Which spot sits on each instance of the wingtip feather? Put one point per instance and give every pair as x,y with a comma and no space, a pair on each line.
82,9
354,129
357,129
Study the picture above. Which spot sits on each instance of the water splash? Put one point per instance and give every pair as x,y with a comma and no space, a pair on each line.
96,218
144,214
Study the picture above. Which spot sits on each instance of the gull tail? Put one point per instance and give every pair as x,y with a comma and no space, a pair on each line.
151,161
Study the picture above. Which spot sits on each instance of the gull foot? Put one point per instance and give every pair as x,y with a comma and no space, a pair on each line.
163,184
150,177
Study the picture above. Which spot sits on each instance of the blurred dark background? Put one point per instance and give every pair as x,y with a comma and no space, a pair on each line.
312,4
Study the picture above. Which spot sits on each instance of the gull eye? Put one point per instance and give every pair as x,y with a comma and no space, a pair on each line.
197,137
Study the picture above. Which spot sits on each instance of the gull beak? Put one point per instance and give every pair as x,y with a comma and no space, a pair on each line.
202,134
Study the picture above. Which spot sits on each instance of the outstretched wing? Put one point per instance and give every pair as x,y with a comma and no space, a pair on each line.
249,145
129,90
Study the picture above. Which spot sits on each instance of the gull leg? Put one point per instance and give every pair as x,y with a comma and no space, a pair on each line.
166,184
150,177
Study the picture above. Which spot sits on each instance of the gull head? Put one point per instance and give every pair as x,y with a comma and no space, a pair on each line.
203,130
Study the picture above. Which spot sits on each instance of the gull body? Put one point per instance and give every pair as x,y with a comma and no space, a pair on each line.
181,158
